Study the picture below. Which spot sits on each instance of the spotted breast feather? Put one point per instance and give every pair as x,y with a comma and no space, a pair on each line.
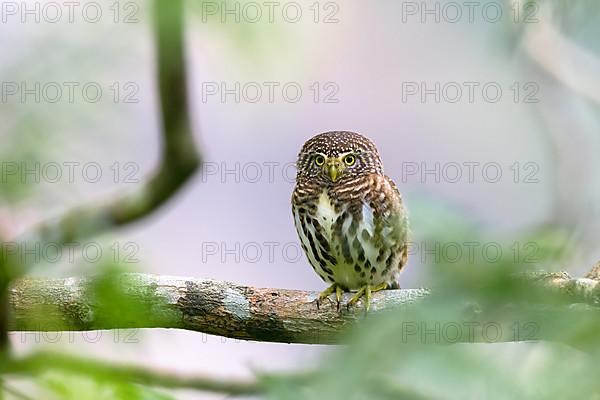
354,234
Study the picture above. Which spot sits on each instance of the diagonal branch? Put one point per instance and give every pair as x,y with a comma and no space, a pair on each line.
180,160
179,155
235,311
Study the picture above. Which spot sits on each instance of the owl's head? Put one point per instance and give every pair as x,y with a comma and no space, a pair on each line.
336,157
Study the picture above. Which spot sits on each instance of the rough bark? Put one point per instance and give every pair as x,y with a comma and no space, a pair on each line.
228,309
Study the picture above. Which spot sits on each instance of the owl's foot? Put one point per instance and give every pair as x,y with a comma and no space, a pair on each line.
325,293
366,292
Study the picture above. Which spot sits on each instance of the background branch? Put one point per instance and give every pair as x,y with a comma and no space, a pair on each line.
571,64
179,161
180,158
43,362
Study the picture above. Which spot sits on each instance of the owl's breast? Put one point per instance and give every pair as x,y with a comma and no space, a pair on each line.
326,214
351,238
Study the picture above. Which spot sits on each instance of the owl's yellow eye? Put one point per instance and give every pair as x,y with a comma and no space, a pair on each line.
349,160
319,160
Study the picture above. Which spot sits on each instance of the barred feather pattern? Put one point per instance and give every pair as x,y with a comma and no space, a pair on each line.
354,233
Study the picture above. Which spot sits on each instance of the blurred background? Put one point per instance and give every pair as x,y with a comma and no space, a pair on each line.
486,118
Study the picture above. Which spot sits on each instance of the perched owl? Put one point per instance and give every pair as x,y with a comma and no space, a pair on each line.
349,216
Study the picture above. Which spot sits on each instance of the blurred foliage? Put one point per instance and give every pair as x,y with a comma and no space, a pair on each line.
411,353
75,387
111,307
260,45
112,304
447,237
578,19
27,147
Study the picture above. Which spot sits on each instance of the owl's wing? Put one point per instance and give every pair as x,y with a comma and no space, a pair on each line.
387,206
390,215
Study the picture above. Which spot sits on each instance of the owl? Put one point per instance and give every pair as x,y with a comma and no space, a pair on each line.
349,216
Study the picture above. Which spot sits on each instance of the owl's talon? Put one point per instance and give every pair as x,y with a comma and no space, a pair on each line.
331,289
338,296
356,297
365,291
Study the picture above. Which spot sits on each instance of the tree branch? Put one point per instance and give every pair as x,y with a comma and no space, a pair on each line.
568,62
180,158
204,305
231,310
43,362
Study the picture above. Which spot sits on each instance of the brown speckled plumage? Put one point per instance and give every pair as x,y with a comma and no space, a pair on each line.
349,216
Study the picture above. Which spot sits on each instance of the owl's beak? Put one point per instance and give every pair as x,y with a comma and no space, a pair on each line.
334,168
